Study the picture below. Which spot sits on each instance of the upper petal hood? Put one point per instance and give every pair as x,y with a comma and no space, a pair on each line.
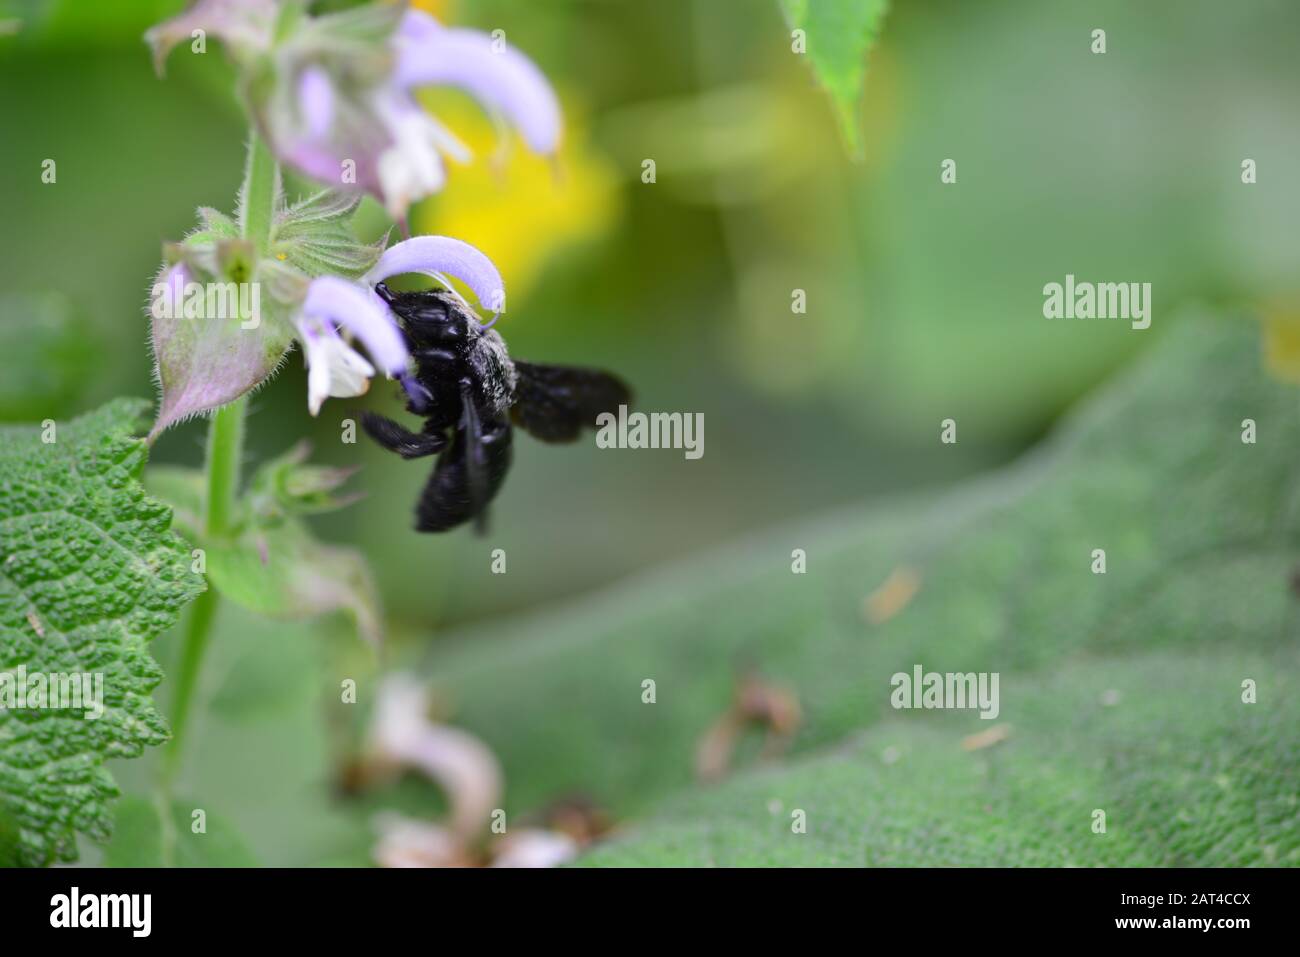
433,255
497,75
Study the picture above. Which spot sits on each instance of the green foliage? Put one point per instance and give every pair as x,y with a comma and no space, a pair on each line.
283,572
1201,540
72,23
315,236
1186,774
840,35
89,572
50,350
138,838
272,564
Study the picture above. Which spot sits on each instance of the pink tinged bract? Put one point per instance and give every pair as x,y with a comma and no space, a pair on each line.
438,255
203,363
247,25
493,72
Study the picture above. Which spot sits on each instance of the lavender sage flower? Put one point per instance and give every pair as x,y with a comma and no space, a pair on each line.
399,156
334,94
318,286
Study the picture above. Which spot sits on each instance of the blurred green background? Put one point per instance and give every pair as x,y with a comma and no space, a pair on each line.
924,300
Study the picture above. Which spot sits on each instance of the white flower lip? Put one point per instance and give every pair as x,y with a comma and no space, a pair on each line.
334,369
411,167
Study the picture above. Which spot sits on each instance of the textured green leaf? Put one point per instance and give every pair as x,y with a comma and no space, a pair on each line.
10,848
89,572
184,490
839,36
1201,538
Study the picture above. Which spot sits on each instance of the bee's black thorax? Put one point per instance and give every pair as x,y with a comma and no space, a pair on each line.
454,356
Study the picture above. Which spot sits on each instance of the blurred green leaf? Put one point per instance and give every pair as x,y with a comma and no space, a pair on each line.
138,838
50,352
288,485
265,685
283,572
1186,774
275,566
58,22
839,35
278,731
1201,542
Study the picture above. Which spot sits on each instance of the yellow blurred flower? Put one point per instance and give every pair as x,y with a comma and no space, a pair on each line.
435,8
1281,343
519,208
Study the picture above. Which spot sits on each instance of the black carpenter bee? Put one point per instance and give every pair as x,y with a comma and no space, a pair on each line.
469,390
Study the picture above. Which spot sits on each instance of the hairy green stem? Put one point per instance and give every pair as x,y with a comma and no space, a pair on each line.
258,194
225,449
197,630
224,455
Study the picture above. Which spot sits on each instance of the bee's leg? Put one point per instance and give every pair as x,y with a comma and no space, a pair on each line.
418,398
459,490
396,438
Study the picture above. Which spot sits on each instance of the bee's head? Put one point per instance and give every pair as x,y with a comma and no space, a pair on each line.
433,318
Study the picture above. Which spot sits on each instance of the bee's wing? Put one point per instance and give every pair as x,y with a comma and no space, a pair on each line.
553,403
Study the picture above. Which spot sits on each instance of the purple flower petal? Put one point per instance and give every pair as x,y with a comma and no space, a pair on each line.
502,80
176,278
314,158
417,26
431,255
421,398
316,100
348,305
